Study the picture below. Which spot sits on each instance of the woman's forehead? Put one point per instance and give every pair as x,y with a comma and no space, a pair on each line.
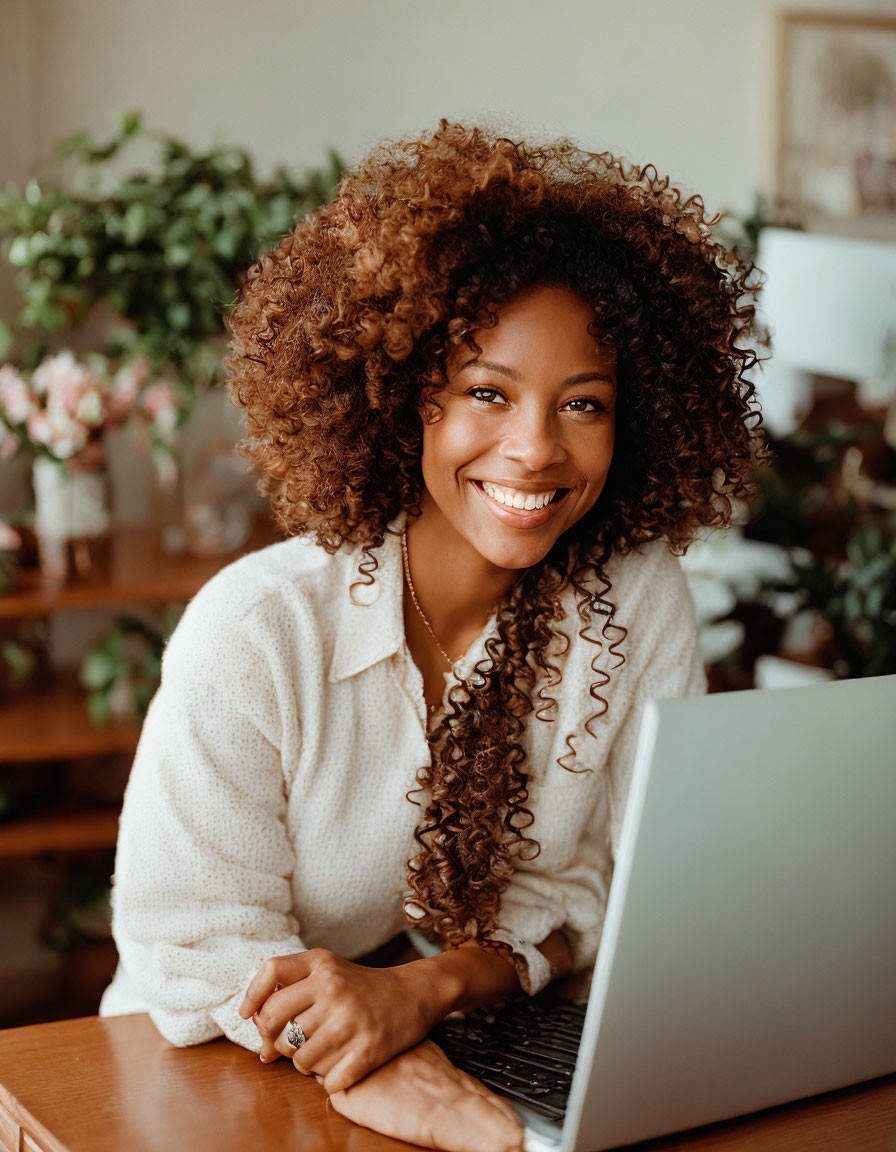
549,321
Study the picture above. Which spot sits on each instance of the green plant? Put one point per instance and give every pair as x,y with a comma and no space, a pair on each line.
121,670
827,500
164,247
856,597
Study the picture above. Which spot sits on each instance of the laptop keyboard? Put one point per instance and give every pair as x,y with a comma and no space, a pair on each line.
526,1051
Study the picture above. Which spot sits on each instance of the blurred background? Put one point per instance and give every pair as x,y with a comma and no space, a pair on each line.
148,153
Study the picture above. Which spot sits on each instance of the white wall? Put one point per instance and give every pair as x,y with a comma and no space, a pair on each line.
686,85
16,111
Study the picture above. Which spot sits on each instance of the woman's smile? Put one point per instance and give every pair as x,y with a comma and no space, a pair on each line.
521,507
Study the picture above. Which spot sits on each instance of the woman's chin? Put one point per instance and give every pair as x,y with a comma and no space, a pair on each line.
513,555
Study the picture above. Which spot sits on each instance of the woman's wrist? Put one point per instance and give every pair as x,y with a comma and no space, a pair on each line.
463,979
469,977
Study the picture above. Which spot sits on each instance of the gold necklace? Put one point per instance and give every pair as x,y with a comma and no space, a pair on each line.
407,575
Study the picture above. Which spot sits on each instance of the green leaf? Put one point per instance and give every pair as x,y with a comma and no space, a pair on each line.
875,599
134,223
98,710
178,315
98,670
179,255
853,606
20,661
144,691
129,123
19,254
5,339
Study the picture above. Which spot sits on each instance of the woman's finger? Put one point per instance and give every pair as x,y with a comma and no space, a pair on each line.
282,1006
501,1104
277,1011
322,1048
346,1071
307,1021
279,970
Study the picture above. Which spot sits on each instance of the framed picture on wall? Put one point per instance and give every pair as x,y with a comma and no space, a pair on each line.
836,143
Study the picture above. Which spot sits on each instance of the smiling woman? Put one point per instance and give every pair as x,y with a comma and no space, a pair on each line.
492,389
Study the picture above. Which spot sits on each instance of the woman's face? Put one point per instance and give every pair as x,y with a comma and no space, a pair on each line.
523,444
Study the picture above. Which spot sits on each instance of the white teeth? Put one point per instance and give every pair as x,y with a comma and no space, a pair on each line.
515,499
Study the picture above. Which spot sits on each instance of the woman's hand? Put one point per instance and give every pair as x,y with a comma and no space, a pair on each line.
354,1018
419,1096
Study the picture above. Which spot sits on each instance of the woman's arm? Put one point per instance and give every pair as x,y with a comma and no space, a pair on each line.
472,977
202,890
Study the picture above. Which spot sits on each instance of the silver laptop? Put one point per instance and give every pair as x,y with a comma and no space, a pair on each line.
749,952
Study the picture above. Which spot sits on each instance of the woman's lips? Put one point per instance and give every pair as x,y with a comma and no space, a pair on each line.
522,517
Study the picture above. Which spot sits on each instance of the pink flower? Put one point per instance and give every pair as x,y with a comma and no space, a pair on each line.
9,444
39,428
91,410
17,401
159,404
67,435
158,399
64,382
10,540
126,387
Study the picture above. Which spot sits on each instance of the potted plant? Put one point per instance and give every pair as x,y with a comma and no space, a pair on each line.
160,250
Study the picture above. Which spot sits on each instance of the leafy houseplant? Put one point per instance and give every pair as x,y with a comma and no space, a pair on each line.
819,500
164,247
855,598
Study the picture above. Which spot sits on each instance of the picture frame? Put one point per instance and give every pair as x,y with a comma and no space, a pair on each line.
835,154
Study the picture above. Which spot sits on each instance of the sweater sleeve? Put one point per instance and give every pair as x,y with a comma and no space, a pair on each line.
202,892
664,661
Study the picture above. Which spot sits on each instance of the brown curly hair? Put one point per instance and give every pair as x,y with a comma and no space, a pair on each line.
340,337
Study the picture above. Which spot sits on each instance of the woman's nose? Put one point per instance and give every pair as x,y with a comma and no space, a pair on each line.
533,439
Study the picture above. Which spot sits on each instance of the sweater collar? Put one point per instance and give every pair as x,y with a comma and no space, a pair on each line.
370,625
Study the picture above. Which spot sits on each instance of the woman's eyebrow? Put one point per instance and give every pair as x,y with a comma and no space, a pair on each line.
511,373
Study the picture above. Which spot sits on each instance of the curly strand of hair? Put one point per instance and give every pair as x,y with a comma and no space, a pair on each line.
591,585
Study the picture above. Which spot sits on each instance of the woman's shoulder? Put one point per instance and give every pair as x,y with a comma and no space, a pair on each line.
295,567
649,595
278,589
649,573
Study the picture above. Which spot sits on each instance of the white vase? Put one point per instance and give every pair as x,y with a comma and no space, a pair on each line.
72,520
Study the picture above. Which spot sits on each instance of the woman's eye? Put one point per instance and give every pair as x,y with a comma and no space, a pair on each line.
584,404
486,395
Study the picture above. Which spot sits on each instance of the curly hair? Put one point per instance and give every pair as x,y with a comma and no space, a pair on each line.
339,340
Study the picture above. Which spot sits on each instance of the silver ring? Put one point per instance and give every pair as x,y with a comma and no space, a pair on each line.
295,1037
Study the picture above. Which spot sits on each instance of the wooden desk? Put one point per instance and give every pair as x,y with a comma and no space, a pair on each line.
115,1085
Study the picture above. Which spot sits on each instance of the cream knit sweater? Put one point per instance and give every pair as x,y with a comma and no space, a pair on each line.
266,810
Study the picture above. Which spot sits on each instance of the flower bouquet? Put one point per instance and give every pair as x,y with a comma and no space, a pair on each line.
60,415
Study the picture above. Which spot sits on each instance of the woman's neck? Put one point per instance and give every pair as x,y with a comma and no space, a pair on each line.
456,588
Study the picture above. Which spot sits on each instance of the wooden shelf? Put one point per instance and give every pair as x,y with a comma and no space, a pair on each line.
140,573
59,832
52,724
